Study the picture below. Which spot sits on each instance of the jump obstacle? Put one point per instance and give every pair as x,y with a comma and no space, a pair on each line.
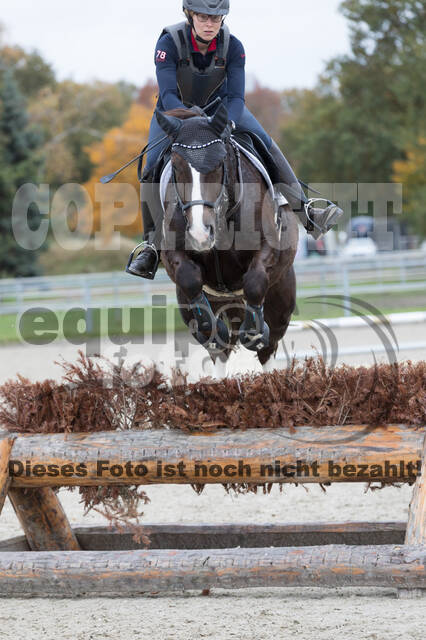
54,559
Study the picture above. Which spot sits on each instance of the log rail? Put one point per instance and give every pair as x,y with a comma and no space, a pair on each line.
311,454
124,573
54,559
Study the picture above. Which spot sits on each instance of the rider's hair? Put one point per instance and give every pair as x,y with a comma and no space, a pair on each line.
189,17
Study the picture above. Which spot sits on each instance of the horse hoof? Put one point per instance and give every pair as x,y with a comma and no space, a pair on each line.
255,341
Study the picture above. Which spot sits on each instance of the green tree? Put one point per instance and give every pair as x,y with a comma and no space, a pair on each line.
73,116
19,164
31,71
369,106
411,172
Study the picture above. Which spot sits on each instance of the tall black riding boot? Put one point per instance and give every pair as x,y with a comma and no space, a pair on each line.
145,264
316,221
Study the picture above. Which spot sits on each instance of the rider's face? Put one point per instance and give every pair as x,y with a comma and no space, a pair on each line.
207,26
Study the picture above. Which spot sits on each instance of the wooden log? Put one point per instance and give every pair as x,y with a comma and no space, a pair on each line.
312,454
125,573
43,520
416,527
6,442
226,536
17,543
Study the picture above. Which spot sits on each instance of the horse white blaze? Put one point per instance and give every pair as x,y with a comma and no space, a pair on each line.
198,229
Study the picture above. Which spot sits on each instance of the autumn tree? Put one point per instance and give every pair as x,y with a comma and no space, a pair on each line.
73,116
148,94
116,205
265,104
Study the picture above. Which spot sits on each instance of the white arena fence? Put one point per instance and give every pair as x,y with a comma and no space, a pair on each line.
393,272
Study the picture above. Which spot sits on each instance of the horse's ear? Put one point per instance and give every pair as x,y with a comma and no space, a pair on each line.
169,124
219,120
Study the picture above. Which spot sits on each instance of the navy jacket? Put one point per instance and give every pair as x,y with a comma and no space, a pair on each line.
231,91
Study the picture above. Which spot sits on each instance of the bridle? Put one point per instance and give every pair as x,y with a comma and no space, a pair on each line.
216,205
223,195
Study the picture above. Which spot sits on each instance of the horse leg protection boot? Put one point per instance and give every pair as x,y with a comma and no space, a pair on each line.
210,331
254,332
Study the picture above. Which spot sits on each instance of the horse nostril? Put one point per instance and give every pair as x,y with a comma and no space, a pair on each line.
211,230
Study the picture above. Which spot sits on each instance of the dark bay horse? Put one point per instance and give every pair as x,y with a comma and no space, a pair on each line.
224,245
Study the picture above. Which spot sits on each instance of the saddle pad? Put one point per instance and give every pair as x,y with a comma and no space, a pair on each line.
166,174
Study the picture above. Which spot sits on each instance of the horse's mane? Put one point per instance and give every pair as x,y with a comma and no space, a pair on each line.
183,114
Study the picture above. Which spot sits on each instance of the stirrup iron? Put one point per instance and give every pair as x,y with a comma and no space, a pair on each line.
312,227
151,274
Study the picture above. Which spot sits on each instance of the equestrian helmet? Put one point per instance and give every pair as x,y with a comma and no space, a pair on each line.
210,7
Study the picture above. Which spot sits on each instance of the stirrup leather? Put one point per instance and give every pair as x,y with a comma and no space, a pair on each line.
279,201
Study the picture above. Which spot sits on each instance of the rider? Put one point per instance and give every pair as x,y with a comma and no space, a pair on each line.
197,61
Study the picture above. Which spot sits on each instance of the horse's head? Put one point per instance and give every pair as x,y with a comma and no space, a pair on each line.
198,171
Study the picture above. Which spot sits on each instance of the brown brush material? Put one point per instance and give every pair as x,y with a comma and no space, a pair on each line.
95,395
99,396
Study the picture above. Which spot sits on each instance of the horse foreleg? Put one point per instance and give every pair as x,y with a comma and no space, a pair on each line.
254,331
280,303
195,308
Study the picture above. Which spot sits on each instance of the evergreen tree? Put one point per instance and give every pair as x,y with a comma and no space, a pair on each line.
19,164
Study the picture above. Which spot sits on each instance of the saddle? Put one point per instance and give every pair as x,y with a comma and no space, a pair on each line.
253,144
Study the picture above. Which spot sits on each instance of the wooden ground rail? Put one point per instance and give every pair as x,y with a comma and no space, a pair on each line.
53,559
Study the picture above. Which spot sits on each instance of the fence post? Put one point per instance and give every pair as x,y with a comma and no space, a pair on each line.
402,270
87,302
346,289
20,295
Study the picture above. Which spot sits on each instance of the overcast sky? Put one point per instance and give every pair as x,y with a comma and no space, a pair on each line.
286,42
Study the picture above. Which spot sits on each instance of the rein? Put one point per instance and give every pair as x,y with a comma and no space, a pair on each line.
231,212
